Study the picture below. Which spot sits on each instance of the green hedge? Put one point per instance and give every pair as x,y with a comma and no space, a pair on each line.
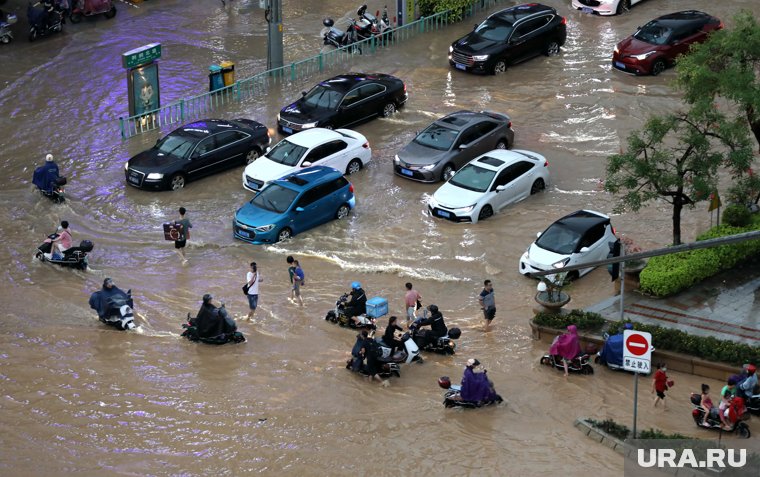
584,320
708,348
622,432
669,274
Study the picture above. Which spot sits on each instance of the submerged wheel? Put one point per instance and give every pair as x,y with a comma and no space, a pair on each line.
342,212
502,144
75,17
284,234
623,5
658,67
252,155
537,186
485,212
552,49
448,171
743,431
354,166
111,13
499,67
177,182
388,110
5,39
587,370
545,360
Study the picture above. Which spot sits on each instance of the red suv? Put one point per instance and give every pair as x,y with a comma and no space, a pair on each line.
656,45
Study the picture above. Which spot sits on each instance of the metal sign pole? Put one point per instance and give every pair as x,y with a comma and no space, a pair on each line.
635,401
622,283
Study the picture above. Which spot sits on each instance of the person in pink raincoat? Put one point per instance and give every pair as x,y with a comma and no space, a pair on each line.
567,346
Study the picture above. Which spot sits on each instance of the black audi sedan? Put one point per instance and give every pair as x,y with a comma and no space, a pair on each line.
343,101
195,150
510,36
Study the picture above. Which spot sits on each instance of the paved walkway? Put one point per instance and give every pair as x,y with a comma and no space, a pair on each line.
726,306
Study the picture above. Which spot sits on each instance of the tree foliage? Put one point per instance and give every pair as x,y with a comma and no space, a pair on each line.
676,158
727,65
457,7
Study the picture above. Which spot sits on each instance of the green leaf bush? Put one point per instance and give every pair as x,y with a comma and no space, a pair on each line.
584,320
668,274
737,215
708,348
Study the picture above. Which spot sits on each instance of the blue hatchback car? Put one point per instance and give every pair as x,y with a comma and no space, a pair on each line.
294,203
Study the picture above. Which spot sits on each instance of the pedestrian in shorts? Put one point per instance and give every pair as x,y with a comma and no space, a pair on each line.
293,270
487,304
253,278
412,302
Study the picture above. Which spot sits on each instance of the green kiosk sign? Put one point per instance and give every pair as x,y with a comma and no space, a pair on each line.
140,56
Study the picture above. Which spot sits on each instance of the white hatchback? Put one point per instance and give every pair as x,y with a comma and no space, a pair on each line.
342,149
489,183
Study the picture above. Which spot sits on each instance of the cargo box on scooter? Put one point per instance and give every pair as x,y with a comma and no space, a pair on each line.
377,307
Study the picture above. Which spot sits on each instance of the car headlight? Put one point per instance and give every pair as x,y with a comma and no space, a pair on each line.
155,176
479,57
264,228
309,125
463,210
126,165
616,50
644,56
429,167
451,49
561,263
396,160
278,117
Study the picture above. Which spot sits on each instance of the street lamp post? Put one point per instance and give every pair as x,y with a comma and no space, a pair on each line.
273,15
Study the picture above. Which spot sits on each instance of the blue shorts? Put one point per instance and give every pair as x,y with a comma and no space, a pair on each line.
253,301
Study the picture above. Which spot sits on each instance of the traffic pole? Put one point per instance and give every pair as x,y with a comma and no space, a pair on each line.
635,401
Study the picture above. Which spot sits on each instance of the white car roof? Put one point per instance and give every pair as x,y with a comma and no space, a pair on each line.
312,137
507,157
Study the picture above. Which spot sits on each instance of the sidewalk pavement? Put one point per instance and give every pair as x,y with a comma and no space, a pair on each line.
726,306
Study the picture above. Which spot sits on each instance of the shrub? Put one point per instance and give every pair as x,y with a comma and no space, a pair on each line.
737,215
584,320
612,428
652,433
708,348
456,7
669,274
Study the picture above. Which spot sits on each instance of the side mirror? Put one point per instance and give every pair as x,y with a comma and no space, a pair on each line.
584,249
299,209
474,26
464,146
303,93
306,164
195,155
538,234
500,188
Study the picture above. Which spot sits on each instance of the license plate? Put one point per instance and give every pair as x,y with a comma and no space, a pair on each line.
620,65
287,130
460,66
407,172
134,179
244,233
586,10
443,213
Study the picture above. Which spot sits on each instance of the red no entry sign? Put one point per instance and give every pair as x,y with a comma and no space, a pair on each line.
637,345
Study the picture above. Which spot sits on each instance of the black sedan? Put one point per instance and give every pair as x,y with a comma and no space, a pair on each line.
343,101
195,150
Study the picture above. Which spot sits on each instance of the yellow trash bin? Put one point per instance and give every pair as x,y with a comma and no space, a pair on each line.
228,72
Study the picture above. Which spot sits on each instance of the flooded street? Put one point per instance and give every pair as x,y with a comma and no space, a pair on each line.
76,396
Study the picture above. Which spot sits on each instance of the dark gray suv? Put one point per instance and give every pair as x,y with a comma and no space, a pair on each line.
451,142
508,37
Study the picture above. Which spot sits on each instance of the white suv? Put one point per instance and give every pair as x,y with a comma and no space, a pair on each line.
342,149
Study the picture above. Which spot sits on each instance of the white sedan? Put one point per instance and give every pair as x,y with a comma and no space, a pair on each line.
489,183
603,7
341,149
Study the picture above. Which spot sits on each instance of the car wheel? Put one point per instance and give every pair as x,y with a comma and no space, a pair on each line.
448,171
284,234
658,67
623,5
552,49
111,13
499,67
75,17
743,431
485,212
537,186
177,182
502,144
574,275
342,212
327,126
388,110
252,155
354,166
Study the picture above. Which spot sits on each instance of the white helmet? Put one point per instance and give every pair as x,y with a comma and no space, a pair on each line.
49,158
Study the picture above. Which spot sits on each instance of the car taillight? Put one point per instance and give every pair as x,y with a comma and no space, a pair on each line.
404,87
509,124
546,163
564,21
350,188
366,145
614,232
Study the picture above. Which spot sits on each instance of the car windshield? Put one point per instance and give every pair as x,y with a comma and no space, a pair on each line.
175,145
322,97
559,238
493,29
473,177
275,198
286,153
437,137
653,33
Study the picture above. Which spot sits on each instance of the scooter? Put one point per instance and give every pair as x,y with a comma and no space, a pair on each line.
57,191
611,354
338,316
88,8
338,38
191,333
5,26
121,314
579,364
451,397
39,26
441,345
75,257
369,25
739,427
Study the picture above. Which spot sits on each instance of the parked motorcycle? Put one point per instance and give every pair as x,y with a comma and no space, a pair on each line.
89,8
338,316
579,364
369,25
441,345
452,396
339,38
737,416
75,257
5,26
43,23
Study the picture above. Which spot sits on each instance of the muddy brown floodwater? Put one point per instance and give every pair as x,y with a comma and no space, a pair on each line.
76,397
